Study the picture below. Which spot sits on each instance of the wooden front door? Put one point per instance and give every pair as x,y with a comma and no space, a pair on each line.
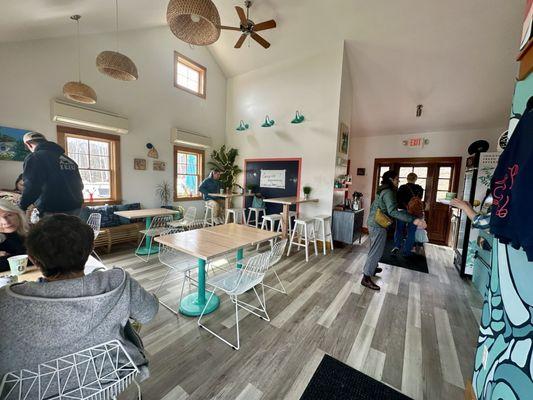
437,176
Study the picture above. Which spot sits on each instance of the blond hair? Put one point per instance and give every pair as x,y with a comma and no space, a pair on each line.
23,226
412,177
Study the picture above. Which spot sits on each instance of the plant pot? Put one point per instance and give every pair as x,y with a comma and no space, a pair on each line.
306,196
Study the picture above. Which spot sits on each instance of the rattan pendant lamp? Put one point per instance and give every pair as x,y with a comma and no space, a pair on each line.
115,64
196,22
77,91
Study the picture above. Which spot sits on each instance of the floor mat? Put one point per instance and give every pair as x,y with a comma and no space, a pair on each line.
334,380
416,262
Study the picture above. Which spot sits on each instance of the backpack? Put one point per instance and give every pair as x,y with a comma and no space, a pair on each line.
415,207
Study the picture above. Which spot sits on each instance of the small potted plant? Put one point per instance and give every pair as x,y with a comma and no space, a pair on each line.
307,191
250,188
164,193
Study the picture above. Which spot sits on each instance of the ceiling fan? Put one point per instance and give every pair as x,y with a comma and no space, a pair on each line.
249,27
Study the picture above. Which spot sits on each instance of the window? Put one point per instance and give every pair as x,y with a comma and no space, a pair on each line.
97,156
444,183
421,172
189,75
188,173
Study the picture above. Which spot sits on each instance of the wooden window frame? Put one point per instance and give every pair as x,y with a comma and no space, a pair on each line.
116,184
202,82
201,169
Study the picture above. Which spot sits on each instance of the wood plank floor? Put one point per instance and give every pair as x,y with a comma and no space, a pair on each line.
417,334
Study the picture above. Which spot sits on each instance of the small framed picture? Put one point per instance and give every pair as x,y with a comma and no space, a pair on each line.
159,165
139,164
361,171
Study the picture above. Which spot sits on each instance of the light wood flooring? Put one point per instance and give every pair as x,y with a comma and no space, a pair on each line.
417,334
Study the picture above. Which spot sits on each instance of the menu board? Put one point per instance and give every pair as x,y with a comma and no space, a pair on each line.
272,178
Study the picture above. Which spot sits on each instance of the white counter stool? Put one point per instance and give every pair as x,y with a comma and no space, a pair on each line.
239,214
323,230
208,215
257,213
304,228
270,219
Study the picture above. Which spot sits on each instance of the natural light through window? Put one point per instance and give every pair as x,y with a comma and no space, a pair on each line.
189,75
188,172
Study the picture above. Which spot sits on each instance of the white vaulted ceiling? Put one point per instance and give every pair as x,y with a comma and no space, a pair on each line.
455,56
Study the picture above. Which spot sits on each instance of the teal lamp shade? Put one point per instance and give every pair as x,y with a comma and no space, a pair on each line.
268,122
298,118
242,126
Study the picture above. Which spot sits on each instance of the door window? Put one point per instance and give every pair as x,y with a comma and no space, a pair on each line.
444,182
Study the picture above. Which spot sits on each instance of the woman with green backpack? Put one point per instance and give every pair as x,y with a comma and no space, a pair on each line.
382,210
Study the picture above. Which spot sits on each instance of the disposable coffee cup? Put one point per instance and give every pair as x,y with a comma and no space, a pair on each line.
221,191
18,264
450,195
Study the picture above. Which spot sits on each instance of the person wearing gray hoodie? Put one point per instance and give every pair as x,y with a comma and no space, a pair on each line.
68,311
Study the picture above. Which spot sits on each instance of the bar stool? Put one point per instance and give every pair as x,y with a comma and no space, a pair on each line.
257,213
237,214
305,228
272,218
208,215
323,229
292,214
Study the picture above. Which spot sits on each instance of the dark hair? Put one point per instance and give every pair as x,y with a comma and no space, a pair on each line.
388,176
60,244
19,178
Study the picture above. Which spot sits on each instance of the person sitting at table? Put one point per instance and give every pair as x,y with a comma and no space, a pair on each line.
13,229
211,184
68,311
19,184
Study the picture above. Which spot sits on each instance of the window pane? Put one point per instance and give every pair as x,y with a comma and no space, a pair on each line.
422,172
182,158
76,145
98,162
81,159
444,184
445,172
421,182
99,148
382,170
192,184
403,181
182,168
441,195
182,80
404,171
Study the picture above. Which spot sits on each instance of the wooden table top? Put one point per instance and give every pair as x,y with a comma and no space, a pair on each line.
290,200
32,274
229,195
208,243
147,212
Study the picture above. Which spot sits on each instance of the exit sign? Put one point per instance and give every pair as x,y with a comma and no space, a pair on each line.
416,142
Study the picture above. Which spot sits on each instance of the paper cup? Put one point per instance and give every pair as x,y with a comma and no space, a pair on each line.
18,264
221,191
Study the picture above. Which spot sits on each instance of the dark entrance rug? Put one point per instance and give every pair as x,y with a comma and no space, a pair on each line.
334,380
416,262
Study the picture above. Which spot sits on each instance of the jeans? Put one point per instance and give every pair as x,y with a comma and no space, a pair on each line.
378,238
401,226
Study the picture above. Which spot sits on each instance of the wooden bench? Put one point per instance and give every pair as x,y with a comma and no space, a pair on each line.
119,234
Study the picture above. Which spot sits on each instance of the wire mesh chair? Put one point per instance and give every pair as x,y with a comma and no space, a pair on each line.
236,282
275,256
178,262
95,221
186,221
158,226
100,372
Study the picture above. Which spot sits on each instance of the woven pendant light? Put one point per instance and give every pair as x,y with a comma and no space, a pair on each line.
78,91
115,64
195,22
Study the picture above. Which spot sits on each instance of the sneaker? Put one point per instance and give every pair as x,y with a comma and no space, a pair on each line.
378,270
395,251
367,282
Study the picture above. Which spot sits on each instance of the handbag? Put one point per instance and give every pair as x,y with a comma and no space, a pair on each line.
415,206
421,236
381,218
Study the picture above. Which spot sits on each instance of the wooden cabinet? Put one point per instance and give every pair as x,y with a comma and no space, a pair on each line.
347,225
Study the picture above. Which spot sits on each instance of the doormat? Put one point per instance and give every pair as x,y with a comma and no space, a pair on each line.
334,380
416,262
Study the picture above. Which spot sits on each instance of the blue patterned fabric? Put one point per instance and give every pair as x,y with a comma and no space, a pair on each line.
506,332
127,207
109,218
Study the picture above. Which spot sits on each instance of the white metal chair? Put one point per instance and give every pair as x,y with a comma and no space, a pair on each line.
158,226
100,372
257,213
304,229
188,218
239,215
323,230
236,282
178,262
95,221
275,256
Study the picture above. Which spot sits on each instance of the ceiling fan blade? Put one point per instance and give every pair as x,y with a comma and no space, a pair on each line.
240,41
260,40
229,28
265,25
242,15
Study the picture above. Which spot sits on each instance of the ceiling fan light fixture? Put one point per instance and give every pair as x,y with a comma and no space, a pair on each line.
117,66
196,22
79,92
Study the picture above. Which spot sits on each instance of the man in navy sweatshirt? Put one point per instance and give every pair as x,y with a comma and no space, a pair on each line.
52,180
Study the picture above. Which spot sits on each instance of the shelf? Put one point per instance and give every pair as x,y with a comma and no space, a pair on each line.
341,189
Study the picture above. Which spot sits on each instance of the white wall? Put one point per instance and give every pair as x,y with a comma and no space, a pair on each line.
311,85
364,150
34,72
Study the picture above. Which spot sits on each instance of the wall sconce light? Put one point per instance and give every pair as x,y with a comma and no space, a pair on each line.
298,118
419,110
242,126
268,122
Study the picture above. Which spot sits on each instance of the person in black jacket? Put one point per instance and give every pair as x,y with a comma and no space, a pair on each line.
405,194
52,180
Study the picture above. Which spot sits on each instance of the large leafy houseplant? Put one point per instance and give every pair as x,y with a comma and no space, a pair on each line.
224,161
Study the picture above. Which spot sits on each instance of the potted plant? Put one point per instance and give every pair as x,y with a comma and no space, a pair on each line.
164,192
307,191
250,188
224,161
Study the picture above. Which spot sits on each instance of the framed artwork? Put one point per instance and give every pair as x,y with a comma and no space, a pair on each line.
361,172
11,145
159,165
344,138
139,164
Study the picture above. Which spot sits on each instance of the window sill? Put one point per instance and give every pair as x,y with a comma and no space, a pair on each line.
101,202
188,198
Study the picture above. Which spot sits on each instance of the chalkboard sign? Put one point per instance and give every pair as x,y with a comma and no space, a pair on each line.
273,178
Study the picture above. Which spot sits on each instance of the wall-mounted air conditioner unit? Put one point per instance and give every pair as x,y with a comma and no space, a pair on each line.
78,116
178,136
